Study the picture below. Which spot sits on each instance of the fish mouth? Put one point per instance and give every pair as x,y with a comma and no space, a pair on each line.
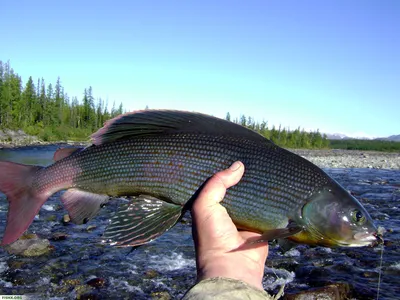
359,240
379,239
368,239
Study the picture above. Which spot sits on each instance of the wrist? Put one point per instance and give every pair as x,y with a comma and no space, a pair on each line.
249,272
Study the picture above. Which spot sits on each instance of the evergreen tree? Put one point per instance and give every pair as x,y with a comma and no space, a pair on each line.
49,111
28,105
42,102
243,120
58,101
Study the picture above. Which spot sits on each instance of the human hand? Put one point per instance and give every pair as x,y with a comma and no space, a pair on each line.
217,239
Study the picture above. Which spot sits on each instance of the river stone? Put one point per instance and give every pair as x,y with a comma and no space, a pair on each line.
3,136
96,282
29,246
149,274
51,218
337,291
66,219
160,295
91,228
59,236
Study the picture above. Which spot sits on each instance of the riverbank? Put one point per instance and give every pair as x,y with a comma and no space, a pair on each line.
351,158
18,138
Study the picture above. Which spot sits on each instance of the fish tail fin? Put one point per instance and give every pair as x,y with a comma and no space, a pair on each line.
24,202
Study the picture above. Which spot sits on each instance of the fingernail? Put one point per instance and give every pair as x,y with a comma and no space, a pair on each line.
235,166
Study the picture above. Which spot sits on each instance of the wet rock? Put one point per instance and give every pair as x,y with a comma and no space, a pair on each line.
59,236
16,264
186,221
51,218
66,285
66,219
83,291
89,296
149,274
289,264
368,274
337,291
17,277
58,207
28,236
96,282
29,245
161,295
91,227
71,282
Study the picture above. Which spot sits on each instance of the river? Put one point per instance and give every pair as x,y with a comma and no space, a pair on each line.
166,266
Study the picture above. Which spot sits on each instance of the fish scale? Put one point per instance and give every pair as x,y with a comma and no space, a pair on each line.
160,159
174,167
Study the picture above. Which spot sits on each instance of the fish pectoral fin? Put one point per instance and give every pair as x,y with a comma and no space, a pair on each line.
279,233
65,152
141,221
82,205
285,245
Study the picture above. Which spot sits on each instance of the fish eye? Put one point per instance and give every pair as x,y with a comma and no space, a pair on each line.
358,216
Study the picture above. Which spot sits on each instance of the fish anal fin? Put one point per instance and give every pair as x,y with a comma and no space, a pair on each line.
82,205
141,221
64,152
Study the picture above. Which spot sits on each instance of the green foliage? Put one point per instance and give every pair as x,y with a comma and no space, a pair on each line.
298,138
283,137
49,113
366,145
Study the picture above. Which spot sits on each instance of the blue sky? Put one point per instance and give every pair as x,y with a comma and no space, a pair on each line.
331,65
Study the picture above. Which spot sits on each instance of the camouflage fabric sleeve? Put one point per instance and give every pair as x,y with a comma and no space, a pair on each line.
225,288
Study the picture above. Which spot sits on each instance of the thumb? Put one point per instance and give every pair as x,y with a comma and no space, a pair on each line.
214,190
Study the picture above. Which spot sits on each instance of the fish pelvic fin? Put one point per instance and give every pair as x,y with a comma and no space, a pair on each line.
141,221
24,202
82,205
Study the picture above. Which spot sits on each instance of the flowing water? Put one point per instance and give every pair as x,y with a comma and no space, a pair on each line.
166,266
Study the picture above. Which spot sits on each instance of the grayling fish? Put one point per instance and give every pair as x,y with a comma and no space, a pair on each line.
163,158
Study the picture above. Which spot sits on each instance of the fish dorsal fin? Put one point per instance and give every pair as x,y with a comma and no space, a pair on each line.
159,122
65,152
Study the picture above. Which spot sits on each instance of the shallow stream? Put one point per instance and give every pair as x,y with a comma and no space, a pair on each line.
81,266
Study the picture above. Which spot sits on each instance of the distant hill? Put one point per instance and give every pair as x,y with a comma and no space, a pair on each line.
336,136
341,136
393,138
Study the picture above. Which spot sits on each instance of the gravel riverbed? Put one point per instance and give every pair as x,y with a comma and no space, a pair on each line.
351,158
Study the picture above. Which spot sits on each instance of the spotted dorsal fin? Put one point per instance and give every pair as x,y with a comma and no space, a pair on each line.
159,122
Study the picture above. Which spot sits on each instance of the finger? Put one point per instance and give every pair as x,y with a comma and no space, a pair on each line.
215,188
248,234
